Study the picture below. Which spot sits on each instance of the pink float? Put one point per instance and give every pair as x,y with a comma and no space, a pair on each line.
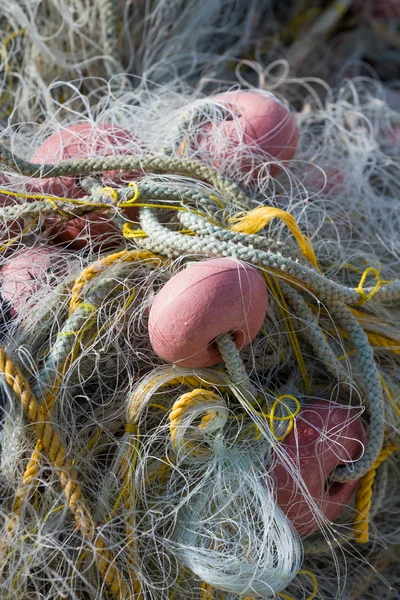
28,272
202,302
83,140
263,127
326,435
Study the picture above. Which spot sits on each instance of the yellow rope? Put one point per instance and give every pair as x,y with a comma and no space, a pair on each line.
259,218
50,441
99,266
207,591
199,397
314,582
30,475
364,497
376,339
20,235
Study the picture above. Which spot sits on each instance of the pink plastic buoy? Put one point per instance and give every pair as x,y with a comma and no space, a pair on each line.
84,140
28,271
326,436
202,302
260,125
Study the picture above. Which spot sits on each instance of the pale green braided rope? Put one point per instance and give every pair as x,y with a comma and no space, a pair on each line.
164,241
369,379
80,320
233,362
312,333
372,386
203,227
110,34
208,245
154,164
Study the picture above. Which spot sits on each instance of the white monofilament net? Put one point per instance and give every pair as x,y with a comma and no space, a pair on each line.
133,485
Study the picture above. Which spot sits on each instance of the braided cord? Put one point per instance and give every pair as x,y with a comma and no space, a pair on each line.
372,385
233,362
110,34
50,441
203,227
170,243
98,267
154,164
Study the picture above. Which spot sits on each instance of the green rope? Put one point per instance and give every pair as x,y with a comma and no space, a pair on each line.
153,164
164,241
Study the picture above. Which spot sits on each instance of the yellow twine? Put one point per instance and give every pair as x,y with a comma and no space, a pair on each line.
366,297
289,417
99,266
259,218
129,232
136,194
364,497
314,582
207,591
130,428
110,192
20,235
217,201
273,284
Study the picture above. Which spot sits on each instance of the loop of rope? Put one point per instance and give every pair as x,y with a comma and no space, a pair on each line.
290,417
259,218
365,297
198,399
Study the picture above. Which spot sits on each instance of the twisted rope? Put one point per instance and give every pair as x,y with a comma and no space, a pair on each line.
37,416
364,497
98,267
169,243
154,164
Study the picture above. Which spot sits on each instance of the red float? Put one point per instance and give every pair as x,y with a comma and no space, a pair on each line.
202,302
84,140
28,272
261,129
326,435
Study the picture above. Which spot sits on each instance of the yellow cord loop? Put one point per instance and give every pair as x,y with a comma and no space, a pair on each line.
290,416
198,400
314,582
110,192
259,218
364,497
99,266
360,288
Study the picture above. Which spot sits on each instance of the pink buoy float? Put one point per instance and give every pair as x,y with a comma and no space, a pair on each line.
85,140
260,125
28,271
326,436
202,302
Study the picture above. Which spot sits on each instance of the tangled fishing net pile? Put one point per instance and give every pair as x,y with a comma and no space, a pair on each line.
200,300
